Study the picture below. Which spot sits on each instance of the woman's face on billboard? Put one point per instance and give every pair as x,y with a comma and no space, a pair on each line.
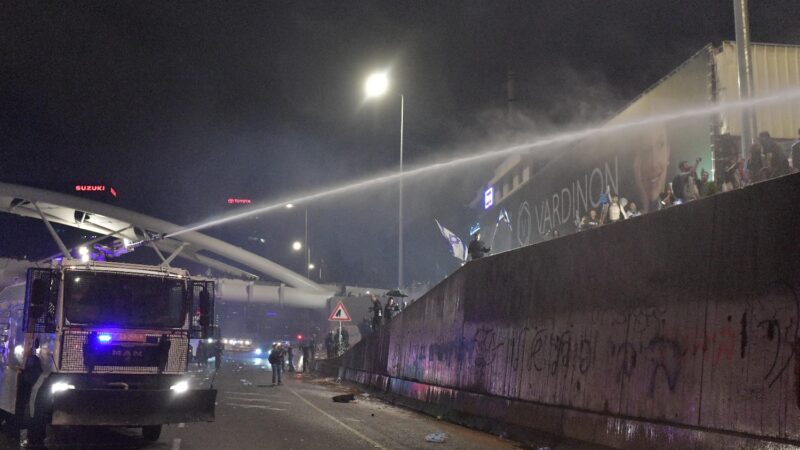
650,165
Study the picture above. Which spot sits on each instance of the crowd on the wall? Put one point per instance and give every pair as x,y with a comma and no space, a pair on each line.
766,160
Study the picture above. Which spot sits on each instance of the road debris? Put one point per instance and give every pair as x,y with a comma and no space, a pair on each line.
437,437
346,398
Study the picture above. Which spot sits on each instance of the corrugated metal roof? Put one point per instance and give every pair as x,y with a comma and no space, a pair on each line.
776,68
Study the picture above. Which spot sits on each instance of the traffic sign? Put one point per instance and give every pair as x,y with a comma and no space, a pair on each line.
340,314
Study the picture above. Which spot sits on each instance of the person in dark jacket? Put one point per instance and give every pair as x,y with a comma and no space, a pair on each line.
389,310
218,347
290,357
344,342
364,327
755,164
476,249
306,346
777,162
276,361
683,185
377,312
329,346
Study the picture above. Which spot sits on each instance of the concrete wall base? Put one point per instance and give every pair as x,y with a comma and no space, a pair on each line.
529,422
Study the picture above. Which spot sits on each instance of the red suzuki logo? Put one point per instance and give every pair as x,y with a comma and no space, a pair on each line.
90,187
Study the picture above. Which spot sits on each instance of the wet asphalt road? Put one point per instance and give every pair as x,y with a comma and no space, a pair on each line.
251,414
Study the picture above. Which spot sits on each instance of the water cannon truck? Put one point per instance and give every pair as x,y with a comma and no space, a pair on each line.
104,344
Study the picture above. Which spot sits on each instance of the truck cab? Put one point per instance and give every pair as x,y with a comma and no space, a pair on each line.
104,344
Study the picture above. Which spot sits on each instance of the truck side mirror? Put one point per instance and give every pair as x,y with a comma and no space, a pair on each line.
205,308
205,312
40,294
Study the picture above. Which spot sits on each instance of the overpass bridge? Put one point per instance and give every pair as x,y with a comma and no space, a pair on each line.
247,271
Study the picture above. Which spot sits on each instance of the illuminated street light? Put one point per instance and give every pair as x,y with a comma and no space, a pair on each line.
289,205
377,85
311,267
83,252
297,246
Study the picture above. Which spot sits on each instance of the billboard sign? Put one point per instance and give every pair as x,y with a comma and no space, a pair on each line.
634,163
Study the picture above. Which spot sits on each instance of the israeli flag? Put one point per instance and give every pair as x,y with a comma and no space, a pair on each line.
503,217
457,248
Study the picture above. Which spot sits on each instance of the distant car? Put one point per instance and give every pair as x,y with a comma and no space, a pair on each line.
238,345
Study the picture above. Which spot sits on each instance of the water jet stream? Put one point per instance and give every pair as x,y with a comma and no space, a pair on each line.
559,138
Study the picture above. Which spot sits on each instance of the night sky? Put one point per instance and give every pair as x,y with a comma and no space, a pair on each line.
180,105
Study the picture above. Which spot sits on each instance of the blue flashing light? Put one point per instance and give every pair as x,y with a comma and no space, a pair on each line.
104,338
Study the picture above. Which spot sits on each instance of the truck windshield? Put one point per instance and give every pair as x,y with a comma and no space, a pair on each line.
118,300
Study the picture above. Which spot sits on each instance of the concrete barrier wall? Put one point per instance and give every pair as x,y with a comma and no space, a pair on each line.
688,317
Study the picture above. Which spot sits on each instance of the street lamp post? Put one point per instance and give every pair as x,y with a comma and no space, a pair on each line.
309,266
378,84
308,248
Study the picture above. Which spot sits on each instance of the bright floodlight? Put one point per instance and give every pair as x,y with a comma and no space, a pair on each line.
83,250
180,387
297,245
290,205
311,267
377,85
60,387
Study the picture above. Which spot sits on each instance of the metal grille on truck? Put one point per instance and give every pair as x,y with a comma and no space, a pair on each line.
72,354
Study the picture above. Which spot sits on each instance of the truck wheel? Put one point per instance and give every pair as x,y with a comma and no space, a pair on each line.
151,433
10,424
36,434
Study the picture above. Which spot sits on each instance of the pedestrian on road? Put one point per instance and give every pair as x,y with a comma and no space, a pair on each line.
345,342
290,356
476,248
329,346
276,361
306,347
218,347
313,349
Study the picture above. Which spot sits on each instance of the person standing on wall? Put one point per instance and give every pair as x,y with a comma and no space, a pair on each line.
476,248
389,310
683,185
776,160
377,312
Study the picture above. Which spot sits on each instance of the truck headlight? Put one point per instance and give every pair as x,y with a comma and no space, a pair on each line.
248,342
60,386
180,387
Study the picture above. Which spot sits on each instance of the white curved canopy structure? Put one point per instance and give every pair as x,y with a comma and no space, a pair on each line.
111,221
